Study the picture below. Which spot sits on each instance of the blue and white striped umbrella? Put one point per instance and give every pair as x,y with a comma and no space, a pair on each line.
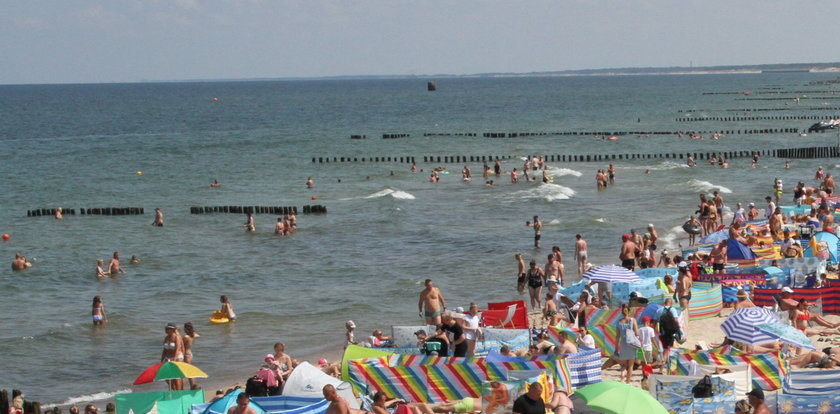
742,325
787,334
611,273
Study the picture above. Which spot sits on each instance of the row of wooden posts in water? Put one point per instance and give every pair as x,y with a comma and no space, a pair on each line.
123,211
756,118
591,133
100,211
307,209
805,152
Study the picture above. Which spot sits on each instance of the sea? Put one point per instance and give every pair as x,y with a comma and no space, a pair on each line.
386,230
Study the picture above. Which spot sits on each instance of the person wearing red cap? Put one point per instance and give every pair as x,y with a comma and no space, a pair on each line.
628,252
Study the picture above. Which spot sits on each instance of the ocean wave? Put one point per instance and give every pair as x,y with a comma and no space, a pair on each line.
664,165
559,172
553,222
99,396
601,220
704,186
547,192
398,194
670,239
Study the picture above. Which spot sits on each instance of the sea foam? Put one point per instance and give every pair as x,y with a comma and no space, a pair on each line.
547,192
704,186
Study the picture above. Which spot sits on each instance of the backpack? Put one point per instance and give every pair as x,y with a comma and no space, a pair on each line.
667,323
256,387
703,389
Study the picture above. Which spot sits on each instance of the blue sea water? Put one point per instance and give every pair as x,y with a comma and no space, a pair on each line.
386,231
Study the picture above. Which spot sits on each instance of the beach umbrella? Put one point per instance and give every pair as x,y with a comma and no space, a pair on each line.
169,370
615,397
611,273
787,334
742,325
715,237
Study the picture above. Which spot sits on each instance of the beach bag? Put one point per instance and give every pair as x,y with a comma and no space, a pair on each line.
703,389
631,338
256,387
667,323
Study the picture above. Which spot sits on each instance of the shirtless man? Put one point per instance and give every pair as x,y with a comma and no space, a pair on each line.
114,265
735,232
820,174
309,183
279,227
611,172
338,405
553,271
775,223
718,255
158,222
580,253
828,184
718,200
565,346
58,212
513,177
241,407
628,252
537,231
431,304
20,263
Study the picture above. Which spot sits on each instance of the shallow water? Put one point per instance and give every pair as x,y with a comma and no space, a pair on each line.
81,146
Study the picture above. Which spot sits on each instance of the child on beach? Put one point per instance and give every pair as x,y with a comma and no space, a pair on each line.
646,334
348,337
98,311
227,308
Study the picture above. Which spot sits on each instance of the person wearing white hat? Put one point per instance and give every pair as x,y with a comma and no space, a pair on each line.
349,338
786,300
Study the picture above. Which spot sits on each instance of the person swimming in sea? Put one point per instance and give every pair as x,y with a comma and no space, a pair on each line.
227,308
98,311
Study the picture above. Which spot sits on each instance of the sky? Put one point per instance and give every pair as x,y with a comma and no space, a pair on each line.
76,41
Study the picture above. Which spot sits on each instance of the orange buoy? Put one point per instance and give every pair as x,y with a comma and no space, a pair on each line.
314,198
5,236
215,99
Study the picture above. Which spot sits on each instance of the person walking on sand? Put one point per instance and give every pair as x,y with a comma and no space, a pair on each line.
537,225
158,222
628,252
626,352
431,303
581,250
114,265
227,308
173,350
98,311
536,280
190,335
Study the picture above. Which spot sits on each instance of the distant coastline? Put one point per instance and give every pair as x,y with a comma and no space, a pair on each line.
830,67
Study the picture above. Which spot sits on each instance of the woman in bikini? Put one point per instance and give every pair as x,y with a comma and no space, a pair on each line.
285,361
98,311
173,350
189,339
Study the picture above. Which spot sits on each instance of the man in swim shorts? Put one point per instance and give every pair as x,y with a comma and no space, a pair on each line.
718,255
580,253
431,303
628,252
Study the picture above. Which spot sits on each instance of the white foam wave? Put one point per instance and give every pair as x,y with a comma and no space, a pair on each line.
669,240
547,192
664,165
398,194
99,396
601,220
559,172
553,222
703,186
